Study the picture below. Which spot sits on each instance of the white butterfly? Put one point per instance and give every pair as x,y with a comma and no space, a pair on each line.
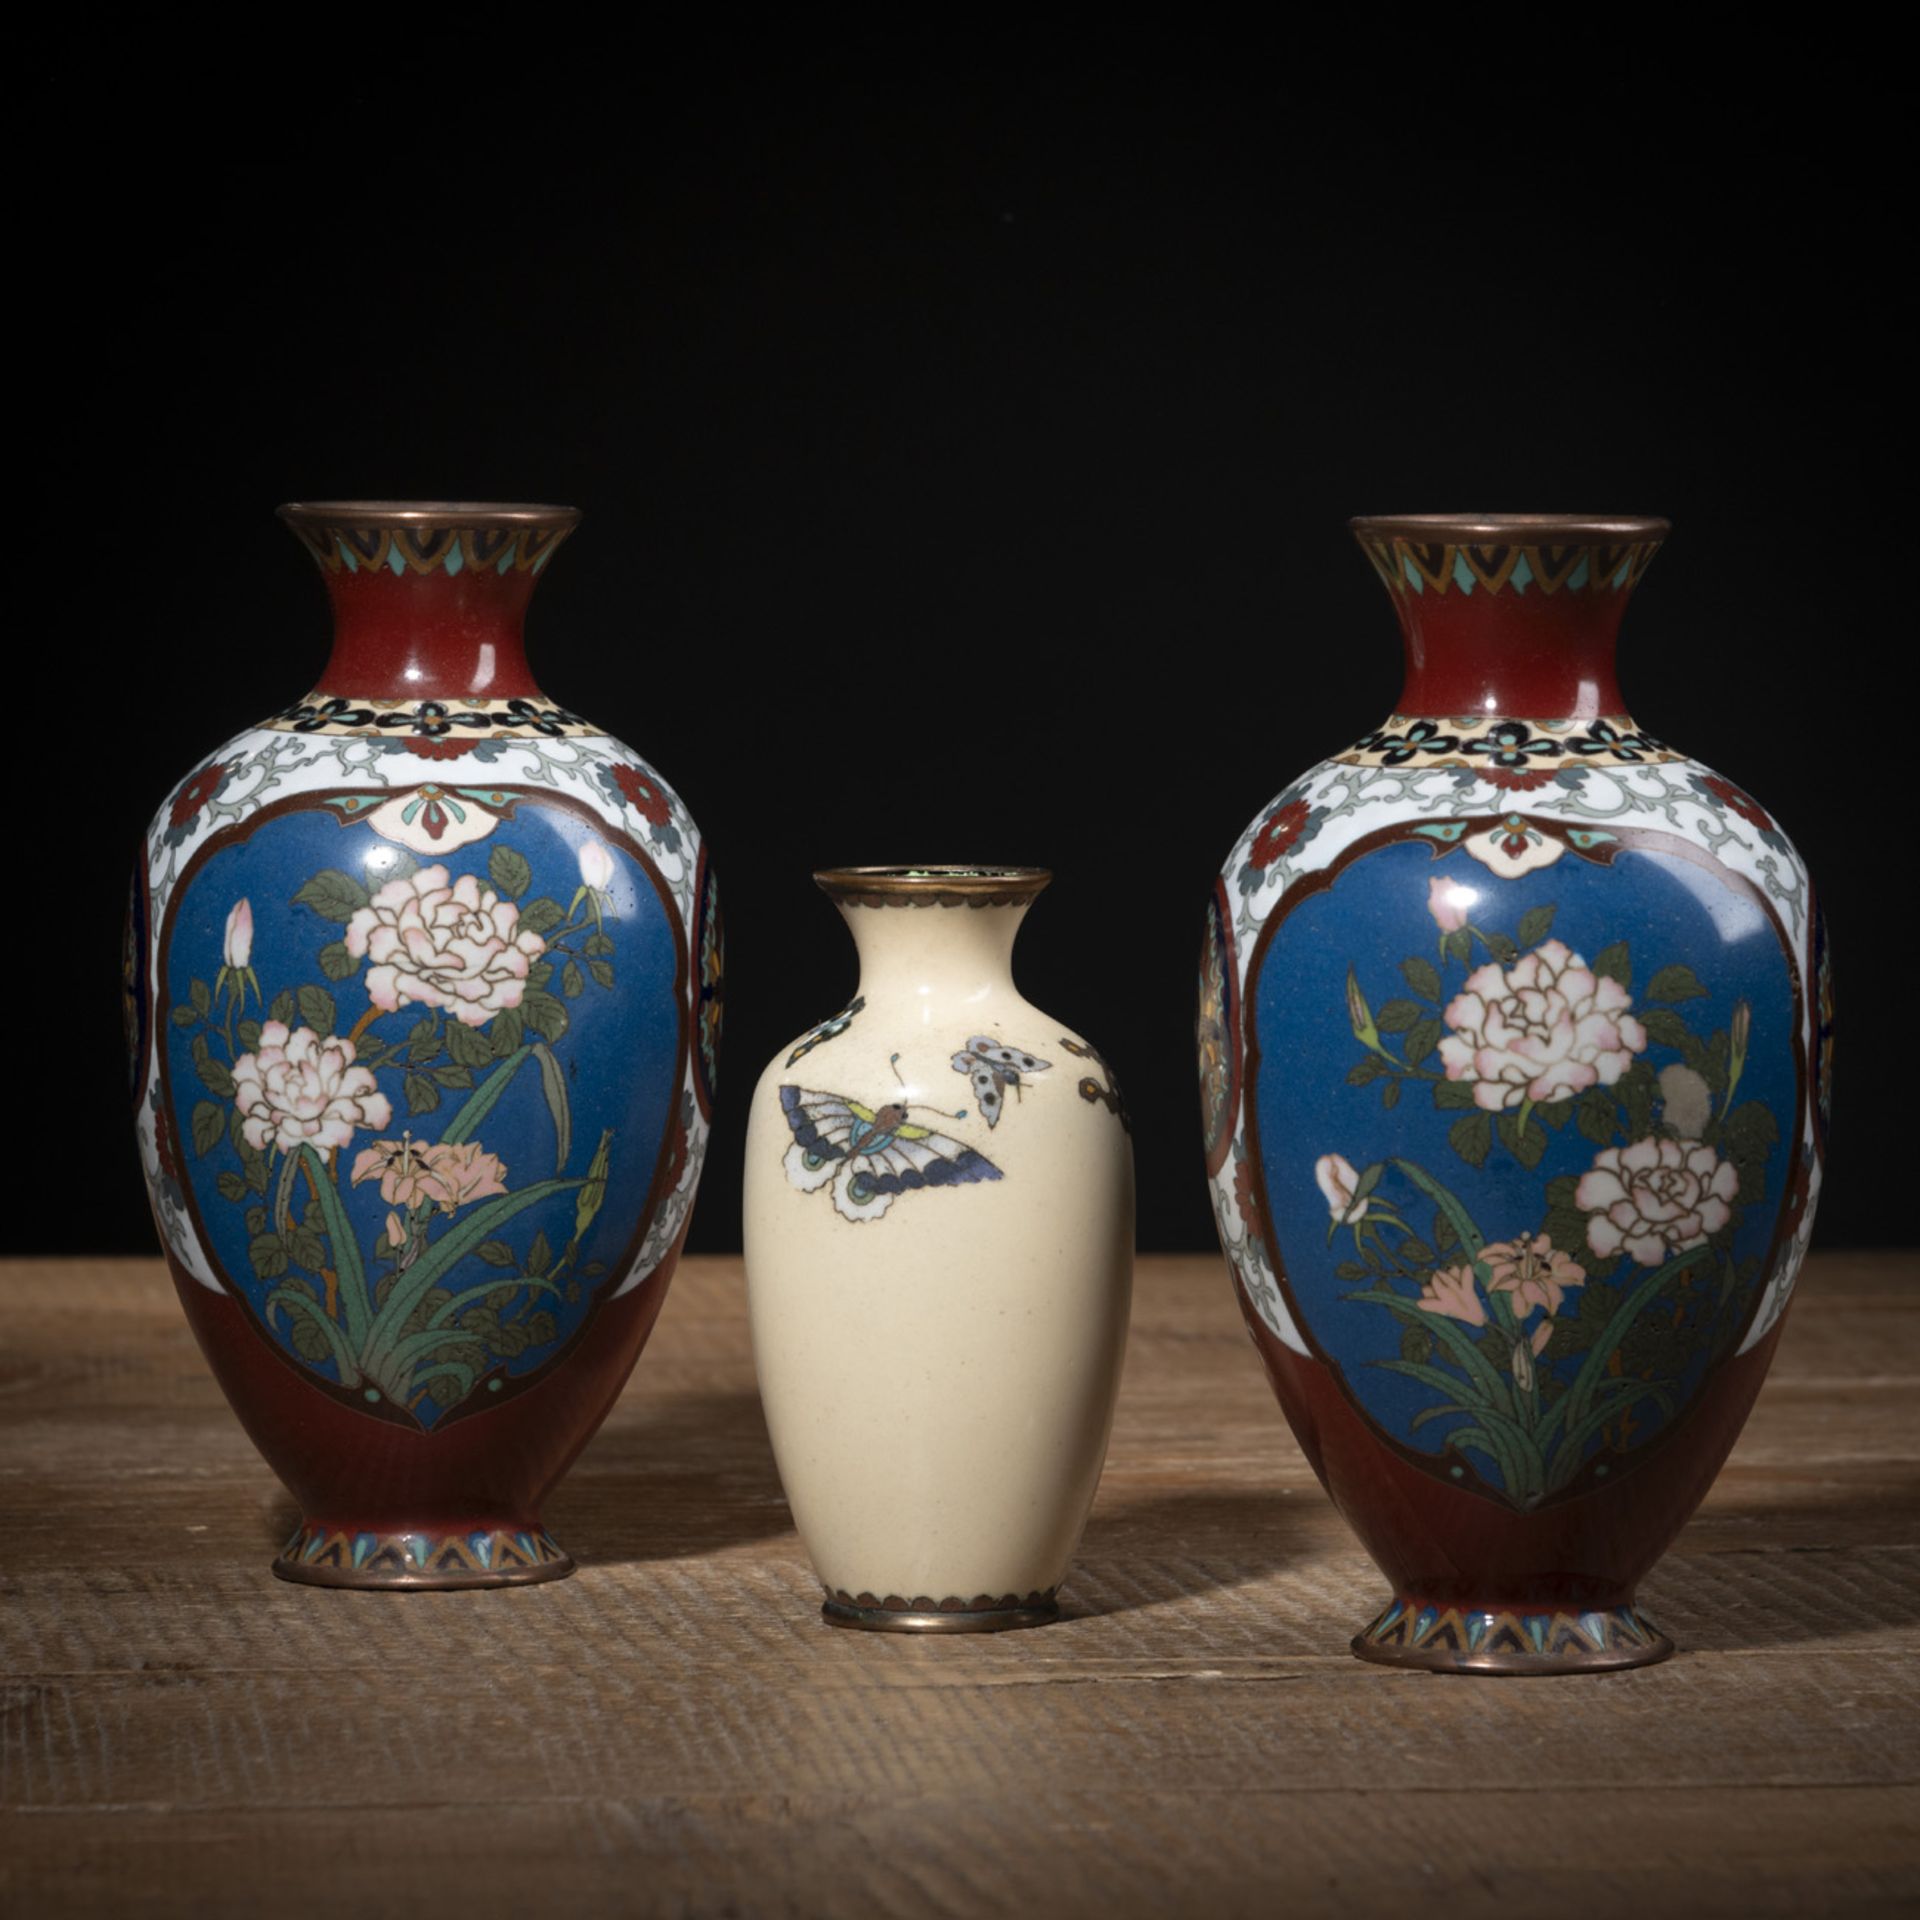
993,1069
869,1154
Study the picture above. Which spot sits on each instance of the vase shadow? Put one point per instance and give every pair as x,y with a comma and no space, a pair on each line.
688,1474
1777,1571
1150,1549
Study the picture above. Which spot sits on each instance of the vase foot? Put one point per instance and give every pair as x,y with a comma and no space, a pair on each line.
1510,1641
378,1561
984,1614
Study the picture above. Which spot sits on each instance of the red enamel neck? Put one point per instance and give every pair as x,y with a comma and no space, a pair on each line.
428,598
1510,614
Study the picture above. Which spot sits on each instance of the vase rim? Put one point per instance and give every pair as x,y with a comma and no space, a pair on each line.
1533,529
974,885
428,513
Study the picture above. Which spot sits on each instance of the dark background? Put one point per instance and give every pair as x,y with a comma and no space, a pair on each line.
966,439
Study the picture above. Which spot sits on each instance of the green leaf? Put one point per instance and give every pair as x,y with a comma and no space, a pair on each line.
283,1008
1390,1095
333,895
1665,1028
541,916
1416,1344
1471,1137
1396,1016
335,961
305,1247
553,1084
539,1256
458,1078
508,1033
540,974
496,1253
1526,1144
572,982
509,872
184,1017
1554,1114
602,971
213,1073
1421,976
468,1046
1596,1116
268,1254
249,1032
1636,1090
1675,983
545,1015
599,945
202,997
253,1164
1453,1093
1421,1040
1502,948
541,1327
1352,1270
1458,947
209,1123
317,1009
422,1095
1615,963
231,1186
1535,924
1363,1071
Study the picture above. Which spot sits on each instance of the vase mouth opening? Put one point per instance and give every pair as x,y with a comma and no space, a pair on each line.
479,514
933,885
1543,529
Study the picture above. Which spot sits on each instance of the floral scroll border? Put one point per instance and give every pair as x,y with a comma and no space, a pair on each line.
263,767
1310,825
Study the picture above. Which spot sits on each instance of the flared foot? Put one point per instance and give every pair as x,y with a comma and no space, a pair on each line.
1510,1641
383,1562
984,1614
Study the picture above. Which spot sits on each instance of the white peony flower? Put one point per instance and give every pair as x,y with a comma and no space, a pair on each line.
436,944
1543,1029
237,943
297,1090
1338,1180
1655,1198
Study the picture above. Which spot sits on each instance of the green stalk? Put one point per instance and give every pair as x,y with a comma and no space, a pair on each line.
292,1297
484,1098
1587,1381
347,1265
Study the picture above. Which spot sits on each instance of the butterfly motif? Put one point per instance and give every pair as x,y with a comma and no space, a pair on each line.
827,1030
993,1069
869,1154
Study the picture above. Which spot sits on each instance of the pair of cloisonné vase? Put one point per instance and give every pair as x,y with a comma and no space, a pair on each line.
1514,1028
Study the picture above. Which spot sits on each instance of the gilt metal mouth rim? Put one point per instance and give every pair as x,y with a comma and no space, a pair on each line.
972,884
1528,529
515,514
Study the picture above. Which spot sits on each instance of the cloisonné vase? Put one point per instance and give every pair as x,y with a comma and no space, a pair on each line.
424,996
939,1243
1513,1032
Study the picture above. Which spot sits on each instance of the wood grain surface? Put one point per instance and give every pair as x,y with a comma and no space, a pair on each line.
674,1730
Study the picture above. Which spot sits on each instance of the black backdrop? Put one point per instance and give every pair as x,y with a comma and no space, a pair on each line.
966,453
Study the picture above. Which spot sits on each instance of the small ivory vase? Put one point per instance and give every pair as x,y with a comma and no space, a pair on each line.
939,1243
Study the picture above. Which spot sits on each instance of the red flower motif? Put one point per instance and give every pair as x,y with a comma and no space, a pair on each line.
677,1162
168,1149
1744,804
641,793
434,749
1517,779
1280,830
197,792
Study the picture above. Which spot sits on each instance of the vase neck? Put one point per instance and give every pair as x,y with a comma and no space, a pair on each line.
429,599
938,936
1510,614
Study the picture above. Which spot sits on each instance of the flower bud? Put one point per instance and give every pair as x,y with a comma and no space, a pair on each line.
237,947
596,866
1360,1013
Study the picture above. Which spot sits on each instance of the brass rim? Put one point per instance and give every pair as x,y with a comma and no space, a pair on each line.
517,515
932,885
1526,529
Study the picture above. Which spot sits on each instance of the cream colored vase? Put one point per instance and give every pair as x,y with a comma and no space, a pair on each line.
939,1240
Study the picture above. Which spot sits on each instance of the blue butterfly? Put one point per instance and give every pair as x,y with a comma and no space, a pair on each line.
869,1154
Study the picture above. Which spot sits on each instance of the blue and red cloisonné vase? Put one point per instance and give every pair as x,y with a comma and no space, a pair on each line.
424,986
1513,1032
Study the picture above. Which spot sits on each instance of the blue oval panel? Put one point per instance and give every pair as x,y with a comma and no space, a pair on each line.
422,1099
1523,1143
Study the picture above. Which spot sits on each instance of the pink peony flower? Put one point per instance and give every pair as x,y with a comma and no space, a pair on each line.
1543,1029
297,1090
1655,1198
433,943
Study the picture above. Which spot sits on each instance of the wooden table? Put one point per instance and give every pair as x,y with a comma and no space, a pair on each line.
674,1730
